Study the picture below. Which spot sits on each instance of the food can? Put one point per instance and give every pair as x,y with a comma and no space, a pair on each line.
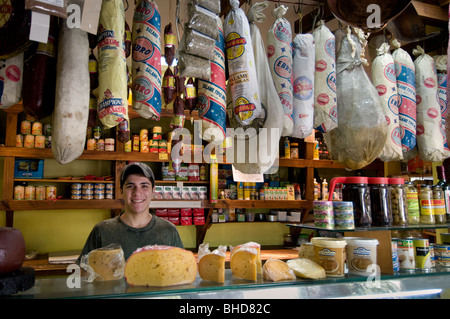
422,254
405,251
19,140
25,127
162,146
76,187
395,263
30,192
91,144
97,132
75,195
144,147
36,128
39,141
40,192
29,141
143,135
50,192
109,144
87,196
361,253
19,192
99,196
153,146
128,146
100,145
157,136
47,131
442,255
157,129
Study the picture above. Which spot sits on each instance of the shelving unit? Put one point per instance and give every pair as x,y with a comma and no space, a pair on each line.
119,157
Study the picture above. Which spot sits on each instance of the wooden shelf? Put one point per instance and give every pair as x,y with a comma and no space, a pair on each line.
56,180
269,204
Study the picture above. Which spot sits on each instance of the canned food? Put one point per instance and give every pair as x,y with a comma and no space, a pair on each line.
50,192
144,147
29,141
91,144
19,140
36,128
25,127
395,263
75,196
157,129
405,251
40,192
422,254
39,141
97,132
153,146
128,146
109,144
100,145
99,196
143,135
76,186
30,193
135,143
87,196
442,255
19,192
156,136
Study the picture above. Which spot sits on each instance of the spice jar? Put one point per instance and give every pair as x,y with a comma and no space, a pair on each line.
398,201
439,205
426,205
380,200
412,201
294,150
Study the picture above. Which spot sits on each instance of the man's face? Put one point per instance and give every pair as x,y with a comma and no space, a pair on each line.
137,193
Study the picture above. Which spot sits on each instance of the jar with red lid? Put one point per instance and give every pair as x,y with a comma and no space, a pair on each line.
399,203
356,190
380,199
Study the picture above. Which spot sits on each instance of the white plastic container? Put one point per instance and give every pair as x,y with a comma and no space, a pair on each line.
361,253
329,253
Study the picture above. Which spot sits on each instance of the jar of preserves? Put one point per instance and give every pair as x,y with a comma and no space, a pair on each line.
412,200
426,205
380,199
439,205
398,201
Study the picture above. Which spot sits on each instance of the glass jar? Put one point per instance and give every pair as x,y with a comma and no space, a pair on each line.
426,205
356,190
398,201
412,200
439,205
380,199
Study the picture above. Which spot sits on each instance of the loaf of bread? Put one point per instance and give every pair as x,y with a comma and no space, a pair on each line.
103,264
277,270
244,263
160,266
211,265
256,246
306,268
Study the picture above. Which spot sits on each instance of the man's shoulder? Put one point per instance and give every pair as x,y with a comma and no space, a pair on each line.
163,223
107,223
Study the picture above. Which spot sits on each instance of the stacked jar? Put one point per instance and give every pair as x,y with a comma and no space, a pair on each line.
398,201
356,190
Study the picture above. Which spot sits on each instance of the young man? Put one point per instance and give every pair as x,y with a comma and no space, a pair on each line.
136,226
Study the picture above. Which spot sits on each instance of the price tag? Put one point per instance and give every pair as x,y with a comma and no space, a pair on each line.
163,156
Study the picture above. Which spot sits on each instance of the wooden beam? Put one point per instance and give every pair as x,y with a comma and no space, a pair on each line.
431,14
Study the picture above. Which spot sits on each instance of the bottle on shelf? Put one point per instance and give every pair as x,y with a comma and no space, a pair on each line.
324,189
442,181
316,190
287,148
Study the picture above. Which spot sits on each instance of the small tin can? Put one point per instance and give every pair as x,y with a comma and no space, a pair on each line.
157,129
47,131
109,144
30,192
19,192
97,132
28,141
50,192
143,135
109,191
19,140
76,187
157,136
395,264
91,144
135,143
36,128
144,147
25,127
162,146
100,145
39,141
40,192
153,146
127,146
422,254
442,253
405,250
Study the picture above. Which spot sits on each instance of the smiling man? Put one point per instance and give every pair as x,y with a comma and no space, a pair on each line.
136,226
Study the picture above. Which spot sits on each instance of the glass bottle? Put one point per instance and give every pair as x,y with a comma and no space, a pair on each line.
380,199
412,200
439,205
398,201
426,205
446,189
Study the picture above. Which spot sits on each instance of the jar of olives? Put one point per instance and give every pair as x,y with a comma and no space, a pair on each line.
412,200
439,205
426,205
398,201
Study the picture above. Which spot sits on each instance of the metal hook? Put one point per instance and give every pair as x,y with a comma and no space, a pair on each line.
126,1
300,7
316,15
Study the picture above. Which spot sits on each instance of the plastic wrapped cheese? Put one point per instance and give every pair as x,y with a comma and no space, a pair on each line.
430,142
160,266
303,85
277,270
384,80
306,268
241,66
279,52
211,264
243,263
251,245
325,109
11,75
104,264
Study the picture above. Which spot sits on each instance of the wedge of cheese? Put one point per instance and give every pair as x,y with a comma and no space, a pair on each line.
160,266
277,270
105,264
306,268
256,246
212,267
243,263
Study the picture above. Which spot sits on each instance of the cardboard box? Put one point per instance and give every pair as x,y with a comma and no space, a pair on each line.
29,168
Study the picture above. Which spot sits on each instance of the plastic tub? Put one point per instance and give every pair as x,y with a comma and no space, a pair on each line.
361,253
329,253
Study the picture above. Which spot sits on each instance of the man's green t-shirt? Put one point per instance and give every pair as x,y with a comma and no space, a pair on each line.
114,231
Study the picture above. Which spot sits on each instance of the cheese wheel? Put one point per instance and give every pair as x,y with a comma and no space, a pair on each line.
277,270
306,268
107,264
212,267
160,266
256,246
243,263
